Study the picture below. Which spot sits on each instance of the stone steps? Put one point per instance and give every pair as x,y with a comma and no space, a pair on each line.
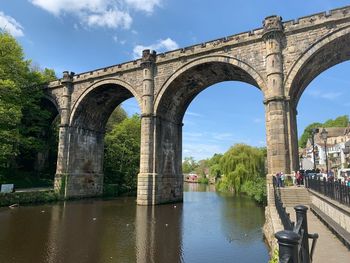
292,196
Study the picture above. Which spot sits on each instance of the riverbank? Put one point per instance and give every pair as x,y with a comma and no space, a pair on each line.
47,195
28,197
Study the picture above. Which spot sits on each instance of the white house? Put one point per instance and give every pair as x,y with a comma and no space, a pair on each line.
338,149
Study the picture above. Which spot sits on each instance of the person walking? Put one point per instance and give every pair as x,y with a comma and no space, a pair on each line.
283,177
278,178
298,178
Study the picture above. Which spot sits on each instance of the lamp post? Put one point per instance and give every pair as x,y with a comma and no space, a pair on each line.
313,132
324,135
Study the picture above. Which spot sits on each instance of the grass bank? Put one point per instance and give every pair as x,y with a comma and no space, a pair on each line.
33,197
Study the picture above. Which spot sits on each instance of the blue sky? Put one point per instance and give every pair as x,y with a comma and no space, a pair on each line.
82,35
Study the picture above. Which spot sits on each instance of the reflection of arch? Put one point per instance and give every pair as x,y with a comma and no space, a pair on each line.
95,104
181,88
330,50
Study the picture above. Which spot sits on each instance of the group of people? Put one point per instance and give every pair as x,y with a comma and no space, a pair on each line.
298,179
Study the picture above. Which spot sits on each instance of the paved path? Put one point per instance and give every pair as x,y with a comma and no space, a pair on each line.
328,248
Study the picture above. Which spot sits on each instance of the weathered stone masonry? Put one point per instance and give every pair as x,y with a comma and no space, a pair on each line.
280,59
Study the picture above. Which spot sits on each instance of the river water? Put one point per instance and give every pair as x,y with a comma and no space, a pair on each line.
207,227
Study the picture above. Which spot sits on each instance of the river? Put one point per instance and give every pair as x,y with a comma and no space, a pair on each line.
207,227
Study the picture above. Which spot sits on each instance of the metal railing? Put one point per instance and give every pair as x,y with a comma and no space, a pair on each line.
293,241
284,216
335,190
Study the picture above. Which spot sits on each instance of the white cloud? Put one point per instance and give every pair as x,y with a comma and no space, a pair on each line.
57,7
324,95
194,114
110,19
10,25
98,13
224,136
161,46
144,5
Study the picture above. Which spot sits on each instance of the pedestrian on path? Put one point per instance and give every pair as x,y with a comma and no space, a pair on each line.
283,178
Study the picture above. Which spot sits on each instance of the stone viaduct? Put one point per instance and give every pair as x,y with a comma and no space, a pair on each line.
280,59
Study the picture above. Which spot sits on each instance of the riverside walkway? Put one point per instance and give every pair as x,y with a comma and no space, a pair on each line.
329,248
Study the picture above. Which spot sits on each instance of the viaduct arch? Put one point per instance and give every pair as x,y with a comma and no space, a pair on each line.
280,59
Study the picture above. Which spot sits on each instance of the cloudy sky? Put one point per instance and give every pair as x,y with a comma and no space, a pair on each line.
82,35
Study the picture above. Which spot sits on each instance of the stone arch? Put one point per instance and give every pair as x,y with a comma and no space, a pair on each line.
52,105
85,144
171,103
329,51
94,106
199,74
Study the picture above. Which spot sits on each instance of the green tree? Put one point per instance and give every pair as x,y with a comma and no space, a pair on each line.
23,121
122,154
308,133
189,165
202,168
12,71
117,116
341,121
10,117
241,163
214,166
12,64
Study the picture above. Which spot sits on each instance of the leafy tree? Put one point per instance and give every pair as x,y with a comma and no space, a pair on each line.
189,165
12,71
10,117
117,116
341,121
241,163
308,133
256,189
12,64
122,154
202,168
214,166
23,121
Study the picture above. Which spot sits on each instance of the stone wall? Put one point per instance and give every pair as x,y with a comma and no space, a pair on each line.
338,212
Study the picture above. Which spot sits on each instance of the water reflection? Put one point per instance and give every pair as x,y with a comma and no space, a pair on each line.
207,227
158,232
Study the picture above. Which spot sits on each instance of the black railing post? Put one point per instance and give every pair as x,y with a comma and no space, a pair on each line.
301,216
288,242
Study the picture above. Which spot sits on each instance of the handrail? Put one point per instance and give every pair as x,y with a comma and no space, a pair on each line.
335,190
294,239
314,238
